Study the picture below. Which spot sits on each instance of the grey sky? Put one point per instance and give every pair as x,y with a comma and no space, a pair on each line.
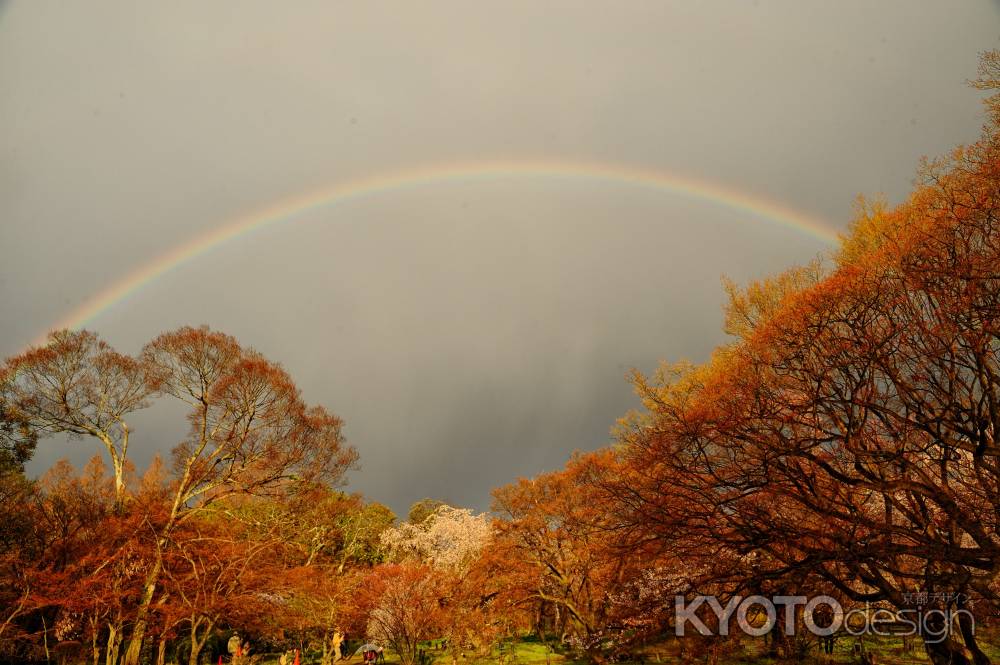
468,332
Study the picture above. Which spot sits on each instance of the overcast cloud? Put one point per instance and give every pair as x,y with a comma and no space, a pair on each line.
468,332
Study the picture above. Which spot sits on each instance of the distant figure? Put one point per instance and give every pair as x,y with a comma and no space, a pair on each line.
338,642
824,619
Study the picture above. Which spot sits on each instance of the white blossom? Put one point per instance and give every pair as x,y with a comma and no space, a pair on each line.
448,538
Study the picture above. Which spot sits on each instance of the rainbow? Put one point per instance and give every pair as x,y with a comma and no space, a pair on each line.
290,208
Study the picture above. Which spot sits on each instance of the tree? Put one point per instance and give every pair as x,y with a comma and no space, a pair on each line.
327,525
849,434
406,608
250,434
78,385
215,571
78,561
76,555
989,79
17,442
361,533
423,509
448,538
17,438
451,542
555,526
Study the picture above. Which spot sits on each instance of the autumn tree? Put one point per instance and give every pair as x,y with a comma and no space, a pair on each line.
989,79
250,431
849,433
405,607
77,384
17,441
328,541
325,525
78,560
555,525
452,542
215,570
17,438
319,606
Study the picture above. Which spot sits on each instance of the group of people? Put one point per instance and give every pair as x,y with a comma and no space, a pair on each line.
290,658
371,654
375,655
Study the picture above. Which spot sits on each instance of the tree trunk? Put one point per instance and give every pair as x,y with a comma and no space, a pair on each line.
161,651
94,634
946,652
196,644
45,640
775,640
15,611
114,644
325,658
117,463
968,629
119,469
139,630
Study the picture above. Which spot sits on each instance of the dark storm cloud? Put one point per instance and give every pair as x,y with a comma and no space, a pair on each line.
468,332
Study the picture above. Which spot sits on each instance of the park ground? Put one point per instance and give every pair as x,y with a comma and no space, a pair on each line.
888,651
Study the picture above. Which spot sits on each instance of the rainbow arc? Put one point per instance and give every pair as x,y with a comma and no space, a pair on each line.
756,208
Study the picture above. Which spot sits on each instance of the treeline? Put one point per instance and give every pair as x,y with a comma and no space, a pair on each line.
241,525
844,443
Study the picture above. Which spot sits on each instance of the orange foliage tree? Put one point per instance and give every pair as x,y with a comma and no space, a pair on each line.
849,433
